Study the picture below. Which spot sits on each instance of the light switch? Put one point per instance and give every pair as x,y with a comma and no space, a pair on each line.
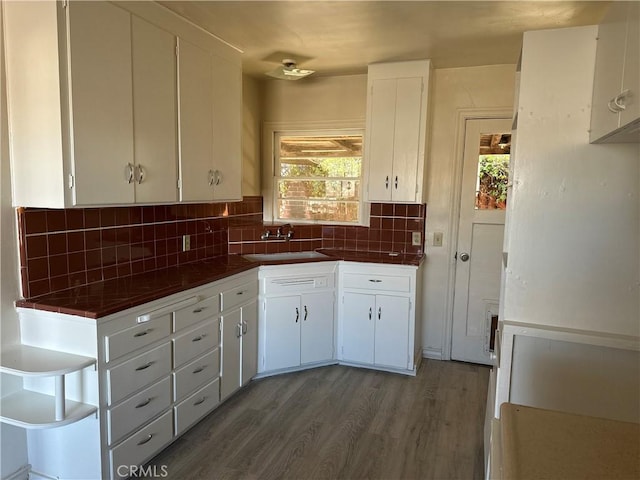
416,239
437,239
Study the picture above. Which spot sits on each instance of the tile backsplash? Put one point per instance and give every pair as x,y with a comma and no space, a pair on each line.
61,249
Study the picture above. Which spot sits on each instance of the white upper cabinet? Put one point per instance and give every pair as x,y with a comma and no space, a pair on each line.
93,104
615,114
395,143
210,103
155,123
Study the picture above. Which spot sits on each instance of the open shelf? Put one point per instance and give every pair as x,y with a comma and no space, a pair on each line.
27,361
29,409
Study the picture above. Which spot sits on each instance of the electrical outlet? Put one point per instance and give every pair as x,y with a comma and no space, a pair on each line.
437,239
186,243
416,239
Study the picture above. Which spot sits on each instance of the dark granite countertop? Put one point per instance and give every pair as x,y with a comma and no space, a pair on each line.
111,296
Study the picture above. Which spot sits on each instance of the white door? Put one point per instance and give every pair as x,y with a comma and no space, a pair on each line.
480,238
282,332
358,327
392,331
380,139
249,341
154,106
316,336
195,110
101,102
230,380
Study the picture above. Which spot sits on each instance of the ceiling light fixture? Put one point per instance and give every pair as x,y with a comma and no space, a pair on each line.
289,71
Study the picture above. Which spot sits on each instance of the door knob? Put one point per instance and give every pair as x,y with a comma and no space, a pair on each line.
464,257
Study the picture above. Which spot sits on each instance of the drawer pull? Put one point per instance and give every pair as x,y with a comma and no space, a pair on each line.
144,367
244,327
143,333
375,280
198,310
145,403
146,440
241,292
199,369
199,337
200,402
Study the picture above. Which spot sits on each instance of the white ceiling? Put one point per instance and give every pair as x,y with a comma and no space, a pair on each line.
342,37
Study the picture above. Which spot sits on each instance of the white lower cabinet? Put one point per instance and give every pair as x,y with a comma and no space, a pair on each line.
376,330
380,316
297,316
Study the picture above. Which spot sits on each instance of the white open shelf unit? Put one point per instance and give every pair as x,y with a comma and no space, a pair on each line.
29,409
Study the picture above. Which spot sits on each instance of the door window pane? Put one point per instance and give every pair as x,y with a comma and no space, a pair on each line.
493,171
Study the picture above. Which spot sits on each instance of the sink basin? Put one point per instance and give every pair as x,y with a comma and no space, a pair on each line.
278,257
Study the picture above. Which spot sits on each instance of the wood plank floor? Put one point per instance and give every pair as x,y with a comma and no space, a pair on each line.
342,423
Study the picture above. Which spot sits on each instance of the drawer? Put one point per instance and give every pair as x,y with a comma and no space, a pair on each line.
141,446
196,373
196,406
389,283
140,408
141,335
195,342
138,372
236,296
206,308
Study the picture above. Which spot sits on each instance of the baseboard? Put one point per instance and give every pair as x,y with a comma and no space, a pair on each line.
21,474
432,353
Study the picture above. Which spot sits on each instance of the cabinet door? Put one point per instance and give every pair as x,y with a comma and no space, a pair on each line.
631,78
231,326
392,331
380,138
155,113
608,70
249,341
282,337
406,143
227,129
101,102
358,328
316,336
195,97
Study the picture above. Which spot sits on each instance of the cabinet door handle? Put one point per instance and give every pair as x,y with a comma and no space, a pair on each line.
199,369
139,174
210,178
244,328
129,172
375,280
386,182
145,403
370,312
396,182
297,314
146,440
239,331
217,177
200,402
306,313
144,367
379,313
143,333
199,337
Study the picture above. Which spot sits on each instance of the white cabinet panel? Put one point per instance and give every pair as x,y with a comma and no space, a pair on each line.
282,332
196,406
101,102
316,333
392,331
358,327
249,341
155,125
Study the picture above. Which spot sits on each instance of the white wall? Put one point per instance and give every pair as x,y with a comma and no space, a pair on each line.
251,127
13,440
472,89
575,221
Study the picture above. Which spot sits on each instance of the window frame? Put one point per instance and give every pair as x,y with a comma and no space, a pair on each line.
271,131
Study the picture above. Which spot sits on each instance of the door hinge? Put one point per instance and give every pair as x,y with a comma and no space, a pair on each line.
65,3
71,181
179,183
177,50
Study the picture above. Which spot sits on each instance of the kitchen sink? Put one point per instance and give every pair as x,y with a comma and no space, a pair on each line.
278,257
